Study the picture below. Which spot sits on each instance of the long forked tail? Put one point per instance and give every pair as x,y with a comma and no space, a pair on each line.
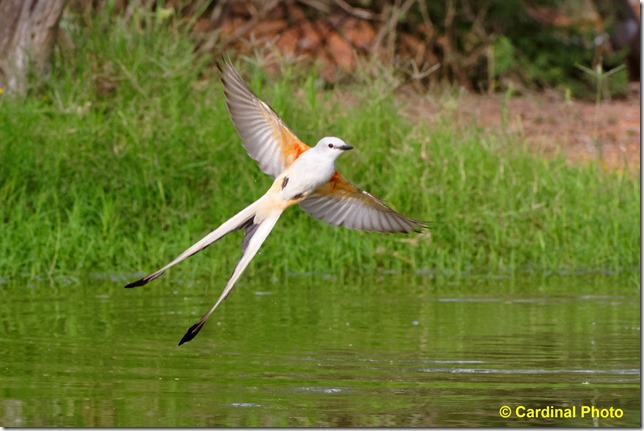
255,236
236,222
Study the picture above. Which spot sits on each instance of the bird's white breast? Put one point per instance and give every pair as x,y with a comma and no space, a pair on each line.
307,173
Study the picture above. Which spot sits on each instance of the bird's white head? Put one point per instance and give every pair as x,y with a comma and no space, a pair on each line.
332,146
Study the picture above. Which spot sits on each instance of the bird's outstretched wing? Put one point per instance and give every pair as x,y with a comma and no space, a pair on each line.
340,203
265,136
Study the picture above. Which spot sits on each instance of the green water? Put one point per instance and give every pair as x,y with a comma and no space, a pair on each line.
372,351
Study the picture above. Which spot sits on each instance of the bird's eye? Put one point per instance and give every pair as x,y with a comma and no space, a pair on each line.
330,145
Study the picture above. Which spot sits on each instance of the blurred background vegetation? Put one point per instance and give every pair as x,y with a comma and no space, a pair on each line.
481,45
121,153
484,45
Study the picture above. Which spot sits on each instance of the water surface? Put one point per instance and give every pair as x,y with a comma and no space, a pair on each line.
373,351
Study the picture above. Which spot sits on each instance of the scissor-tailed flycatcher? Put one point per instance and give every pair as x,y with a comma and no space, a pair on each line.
303,175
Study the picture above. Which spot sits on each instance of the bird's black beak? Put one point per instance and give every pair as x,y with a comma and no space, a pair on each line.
346,147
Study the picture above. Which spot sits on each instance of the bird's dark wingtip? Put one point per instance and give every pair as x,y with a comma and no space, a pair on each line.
222,62
137,283
219,63
421,227
427,225
145,280
192,332
415,227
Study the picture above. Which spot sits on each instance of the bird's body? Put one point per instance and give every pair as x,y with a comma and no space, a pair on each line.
303,175
309,171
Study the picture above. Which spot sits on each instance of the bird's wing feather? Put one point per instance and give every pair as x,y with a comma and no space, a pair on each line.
340,203
265,136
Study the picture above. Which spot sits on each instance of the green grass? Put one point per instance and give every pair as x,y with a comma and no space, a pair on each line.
118,181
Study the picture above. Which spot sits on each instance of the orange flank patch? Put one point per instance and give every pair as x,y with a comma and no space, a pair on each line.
334,181
339,187
292,147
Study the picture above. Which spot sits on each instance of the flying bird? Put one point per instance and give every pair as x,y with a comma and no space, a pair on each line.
303,175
